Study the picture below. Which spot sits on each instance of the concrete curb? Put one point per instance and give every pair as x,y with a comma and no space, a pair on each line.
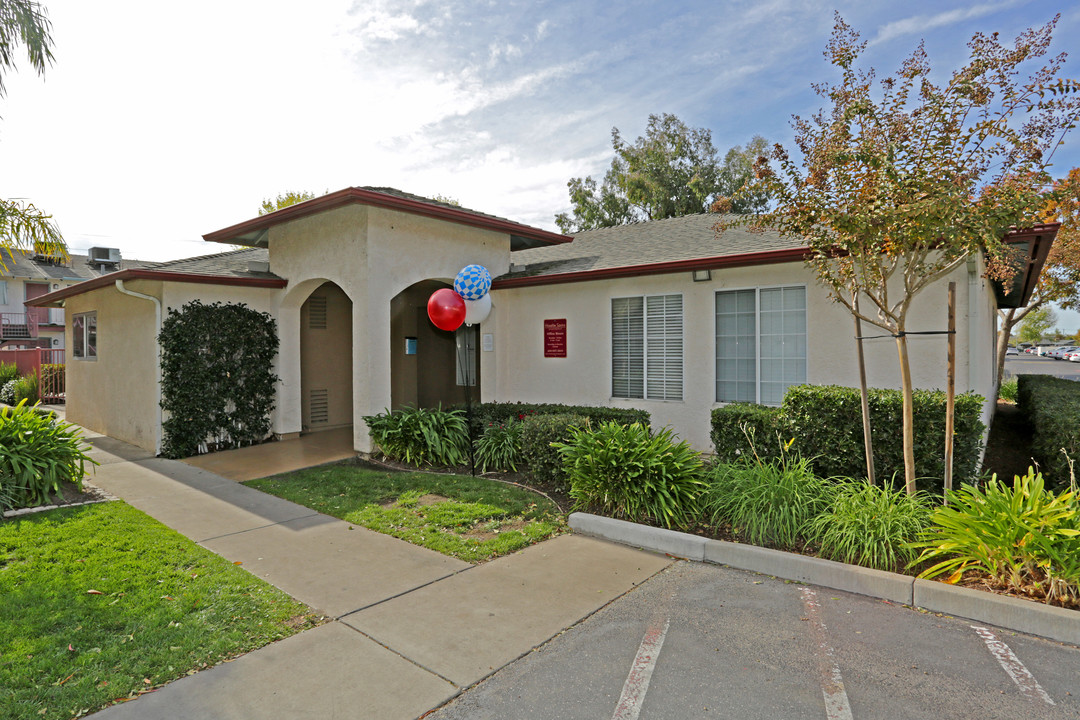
1001,611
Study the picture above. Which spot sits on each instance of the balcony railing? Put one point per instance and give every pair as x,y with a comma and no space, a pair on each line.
18,326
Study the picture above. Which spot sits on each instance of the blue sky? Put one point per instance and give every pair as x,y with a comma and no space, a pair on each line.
161,121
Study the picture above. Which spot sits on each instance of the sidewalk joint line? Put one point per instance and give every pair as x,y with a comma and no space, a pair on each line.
405,658
260,527
404,592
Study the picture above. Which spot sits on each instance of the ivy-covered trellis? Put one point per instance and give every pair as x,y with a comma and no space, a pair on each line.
217,384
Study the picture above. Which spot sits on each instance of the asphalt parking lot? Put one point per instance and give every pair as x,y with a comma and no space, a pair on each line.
1034,365
703,641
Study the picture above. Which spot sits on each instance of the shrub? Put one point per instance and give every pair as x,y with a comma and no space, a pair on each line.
421,435
766,502
500,446
1008,390
8,372
7,391
26,388
871,525
624,471
538,432
1024,537
747,430
217,385
37,454
1052,407
494,413
827,424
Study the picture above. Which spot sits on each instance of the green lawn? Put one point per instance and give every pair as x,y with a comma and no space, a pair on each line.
99,603
470,518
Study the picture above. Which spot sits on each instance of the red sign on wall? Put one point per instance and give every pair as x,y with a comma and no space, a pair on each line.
555,338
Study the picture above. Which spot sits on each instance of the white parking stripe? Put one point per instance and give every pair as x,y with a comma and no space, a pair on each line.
637,682
832,685
1027,683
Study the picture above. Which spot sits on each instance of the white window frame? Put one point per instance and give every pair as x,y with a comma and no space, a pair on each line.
3,292
80,336
757,336
645,350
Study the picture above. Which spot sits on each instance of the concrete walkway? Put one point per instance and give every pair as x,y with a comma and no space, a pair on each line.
411,628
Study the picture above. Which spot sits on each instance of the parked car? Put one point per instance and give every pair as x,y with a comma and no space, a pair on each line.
1011,351
1058,352
1074,356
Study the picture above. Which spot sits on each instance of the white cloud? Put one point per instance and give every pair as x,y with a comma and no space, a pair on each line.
923,23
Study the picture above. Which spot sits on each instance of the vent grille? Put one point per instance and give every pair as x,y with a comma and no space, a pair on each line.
317,312
319,403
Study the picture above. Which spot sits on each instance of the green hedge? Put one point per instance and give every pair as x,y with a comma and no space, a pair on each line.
741,430
495,413
1052,408
825,423
538,432
217,382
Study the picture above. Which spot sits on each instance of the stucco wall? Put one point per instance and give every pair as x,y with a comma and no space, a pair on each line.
372,254
116,393
521,372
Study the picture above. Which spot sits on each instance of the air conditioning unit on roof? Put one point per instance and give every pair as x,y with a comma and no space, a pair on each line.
104,255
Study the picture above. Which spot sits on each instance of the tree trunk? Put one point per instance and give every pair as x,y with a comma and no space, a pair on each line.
909,413
1003,343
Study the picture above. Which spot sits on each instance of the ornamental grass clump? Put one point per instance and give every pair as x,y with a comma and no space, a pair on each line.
1020,537
766,502
624,472
499,447
38,454
421,435
870,525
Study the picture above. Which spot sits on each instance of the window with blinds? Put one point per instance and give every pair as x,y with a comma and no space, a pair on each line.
760,343
647,347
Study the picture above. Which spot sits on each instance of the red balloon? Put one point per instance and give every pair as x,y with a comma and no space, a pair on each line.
446,309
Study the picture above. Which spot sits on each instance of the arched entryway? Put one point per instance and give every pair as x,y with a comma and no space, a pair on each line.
428,366
326,360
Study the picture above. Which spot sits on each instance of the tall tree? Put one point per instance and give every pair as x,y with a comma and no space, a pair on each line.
284,200
1037,323
902,180
736,177
24,227
672,170
1060,279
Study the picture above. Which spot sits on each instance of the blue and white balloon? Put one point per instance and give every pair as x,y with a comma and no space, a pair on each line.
473,282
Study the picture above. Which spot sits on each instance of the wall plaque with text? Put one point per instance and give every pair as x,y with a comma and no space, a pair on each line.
555,338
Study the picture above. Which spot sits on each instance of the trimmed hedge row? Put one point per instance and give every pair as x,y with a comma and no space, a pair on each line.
824,423
1052,408
496,413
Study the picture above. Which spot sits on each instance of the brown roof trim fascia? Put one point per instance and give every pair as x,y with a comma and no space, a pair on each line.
387,201
1042,238
767,257
52,299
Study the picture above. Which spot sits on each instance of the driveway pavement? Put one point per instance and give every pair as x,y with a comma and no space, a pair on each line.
704,641
409,627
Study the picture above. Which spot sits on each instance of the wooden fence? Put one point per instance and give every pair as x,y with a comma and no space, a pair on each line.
48,365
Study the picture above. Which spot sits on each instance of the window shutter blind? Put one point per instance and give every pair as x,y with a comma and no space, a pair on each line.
627,347
664,342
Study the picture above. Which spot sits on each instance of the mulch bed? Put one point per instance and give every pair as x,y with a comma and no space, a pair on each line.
69,495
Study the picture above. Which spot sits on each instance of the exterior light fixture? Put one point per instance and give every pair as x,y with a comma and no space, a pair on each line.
702,275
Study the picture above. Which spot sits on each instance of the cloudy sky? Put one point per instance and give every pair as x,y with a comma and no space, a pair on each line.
160,122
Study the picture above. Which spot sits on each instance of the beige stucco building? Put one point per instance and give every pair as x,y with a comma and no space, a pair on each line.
663,316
